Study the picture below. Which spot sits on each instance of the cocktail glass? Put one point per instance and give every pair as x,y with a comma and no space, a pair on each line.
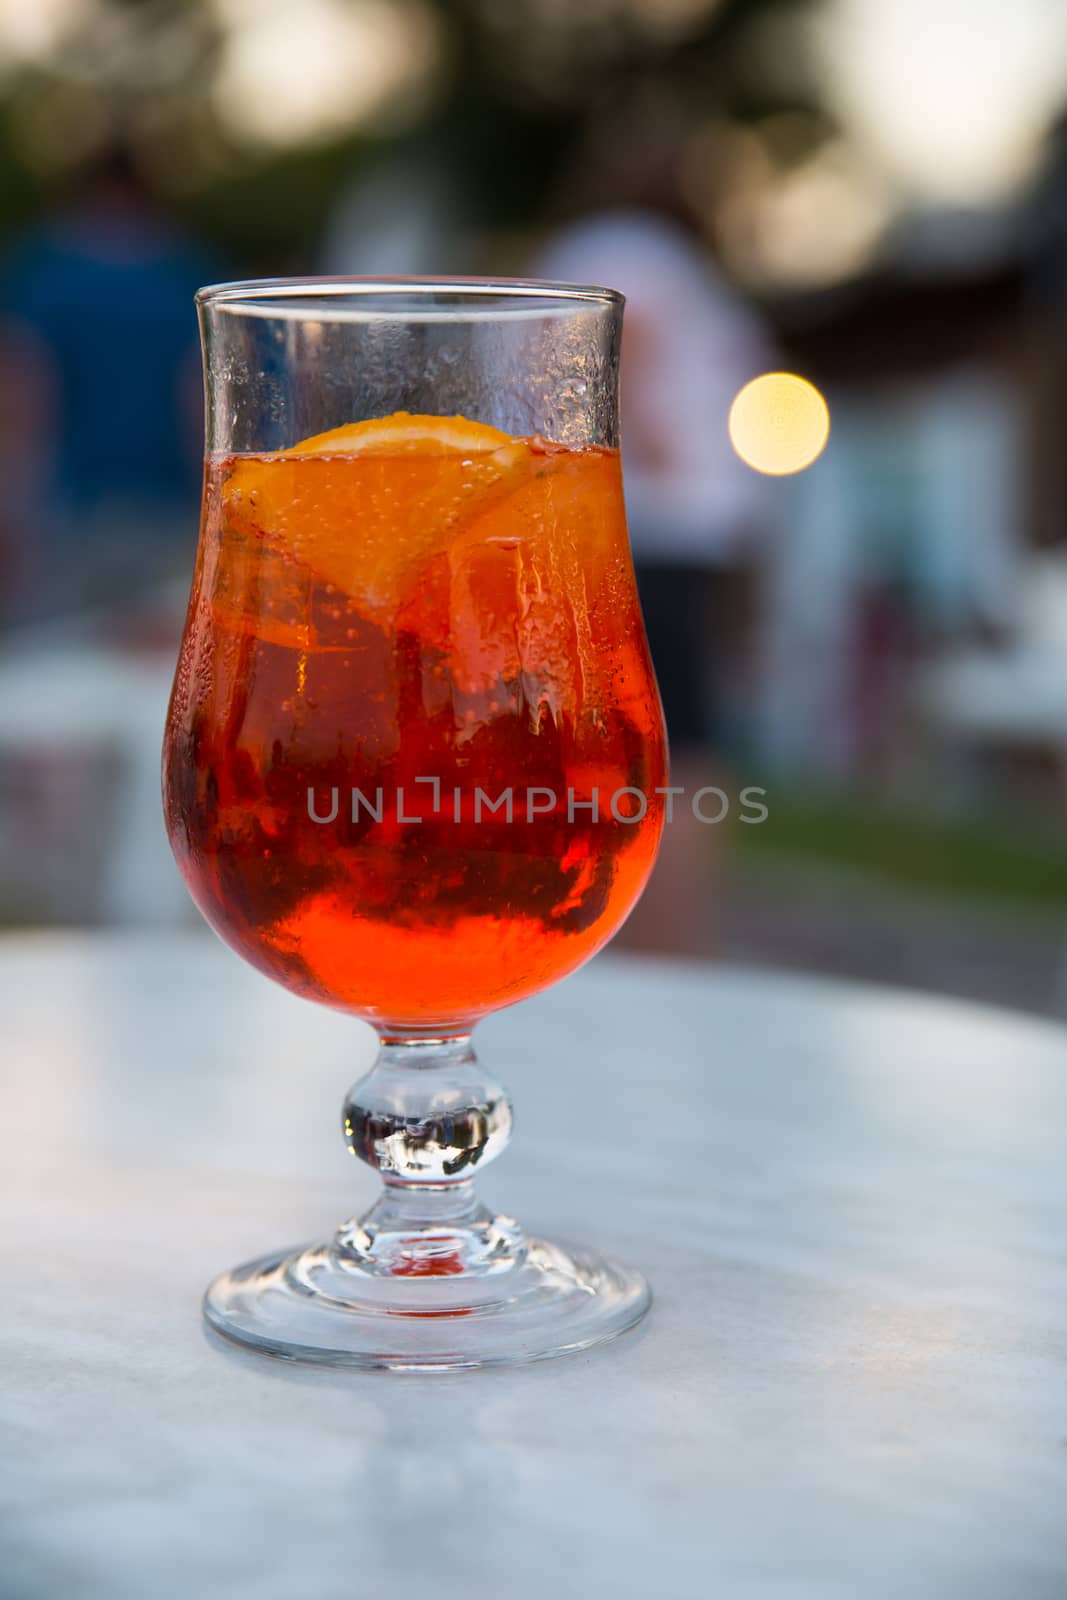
415,757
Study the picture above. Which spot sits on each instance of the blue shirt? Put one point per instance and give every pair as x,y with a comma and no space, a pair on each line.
111,298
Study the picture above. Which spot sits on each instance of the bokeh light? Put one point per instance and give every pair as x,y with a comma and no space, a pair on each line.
297,71
951,98
779,423
32,29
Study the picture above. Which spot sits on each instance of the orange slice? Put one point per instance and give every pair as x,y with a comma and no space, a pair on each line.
362,507
404,433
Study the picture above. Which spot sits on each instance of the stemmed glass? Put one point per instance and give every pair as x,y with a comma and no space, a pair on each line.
415,757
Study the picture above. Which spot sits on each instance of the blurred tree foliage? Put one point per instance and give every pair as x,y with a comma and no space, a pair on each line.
539,105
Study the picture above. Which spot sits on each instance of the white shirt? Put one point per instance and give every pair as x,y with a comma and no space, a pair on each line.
689,344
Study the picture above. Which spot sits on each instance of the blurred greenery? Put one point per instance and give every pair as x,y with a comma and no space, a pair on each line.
538,105
964,857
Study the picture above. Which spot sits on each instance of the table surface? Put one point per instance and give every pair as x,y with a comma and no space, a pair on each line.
851,1203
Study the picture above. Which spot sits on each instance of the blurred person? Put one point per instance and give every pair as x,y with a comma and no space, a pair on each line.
407,216
99,396
695,512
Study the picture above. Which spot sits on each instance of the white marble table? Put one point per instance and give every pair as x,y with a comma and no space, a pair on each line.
852,1204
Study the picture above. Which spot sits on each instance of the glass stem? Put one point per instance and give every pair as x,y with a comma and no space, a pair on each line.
424,1117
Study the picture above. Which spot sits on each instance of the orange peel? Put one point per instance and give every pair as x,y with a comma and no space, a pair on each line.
364,506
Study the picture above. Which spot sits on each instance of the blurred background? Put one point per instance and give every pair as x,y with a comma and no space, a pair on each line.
871,195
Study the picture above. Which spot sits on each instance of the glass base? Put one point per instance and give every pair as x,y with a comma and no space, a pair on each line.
323,1305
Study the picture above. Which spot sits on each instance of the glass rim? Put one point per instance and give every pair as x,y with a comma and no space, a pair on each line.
274,297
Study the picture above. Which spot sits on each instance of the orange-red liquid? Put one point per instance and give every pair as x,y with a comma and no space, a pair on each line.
364,621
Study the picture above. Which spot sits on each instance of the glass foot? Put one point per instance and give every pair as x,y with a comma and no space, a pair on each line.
324,1305
428,1279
